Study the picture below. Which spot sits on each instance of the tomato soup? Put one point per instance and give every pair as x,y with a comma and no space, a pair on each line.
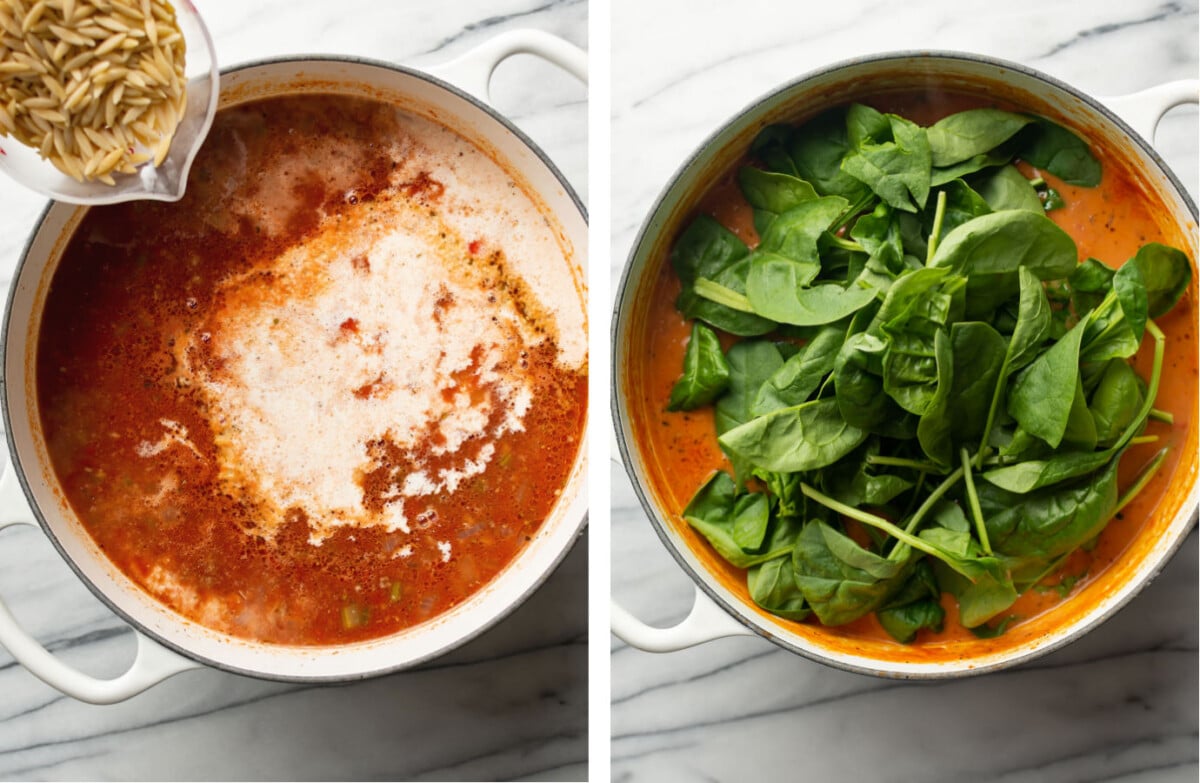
329,394
680,450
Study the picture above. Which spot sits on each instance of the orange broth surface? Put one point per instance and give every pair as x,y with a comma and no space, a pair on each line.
301,406
1109,222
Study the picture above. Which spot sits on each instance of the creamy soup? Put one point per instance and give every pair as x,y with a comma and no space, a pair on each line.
330,393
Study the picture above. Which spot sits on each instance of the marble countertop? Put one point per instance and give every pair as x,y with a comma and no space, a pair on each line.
1120,704
512,704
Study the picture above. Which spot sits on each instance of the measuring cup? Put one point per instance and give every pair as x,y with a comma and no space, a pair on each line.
164,182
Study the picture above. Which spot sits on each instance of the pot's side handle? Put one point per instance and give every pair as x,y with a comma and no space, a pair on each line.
1143,110
473,71
704,623
152,664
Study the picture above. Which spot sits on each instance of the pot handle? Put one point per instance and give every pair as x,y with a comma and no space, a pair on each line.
1143,110
472,71
704,623
152,664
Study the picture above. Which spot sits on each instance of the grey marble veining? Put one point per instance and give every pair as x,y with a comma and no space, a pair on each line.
1119,704
511,704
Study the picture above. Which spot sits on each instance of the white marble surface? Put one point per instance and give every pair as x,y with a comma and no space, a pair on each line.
1120,704
510,705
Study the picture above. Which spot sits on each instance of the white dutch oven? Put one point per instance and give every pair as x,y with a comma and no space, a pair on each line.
717,611
166,643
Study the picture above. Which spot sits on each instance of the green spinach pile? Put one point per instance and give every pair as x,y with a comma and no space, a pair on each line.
923,354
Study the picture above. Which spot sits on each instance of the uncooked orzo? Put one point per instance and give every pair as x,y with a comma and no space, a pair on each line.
96,86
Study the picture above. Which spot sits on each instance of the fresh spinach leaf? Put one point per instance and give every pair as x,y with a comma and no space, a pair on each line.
1051,147
772,585
1166,274
941,175
879,232
1080,433
1120,399
1115,402
816,150
913,299
965,134
751,364
1089,283
840,580
1033,324
1049,522
858,382
707,250
812,306
705,371
897,169
915,607
962,204
989,249
786,262
801,375
771,147
1034,474
794,233
803,437
912,313
1115,326
904,622
717,509
969,360
771,193
1007,188
910,375
982,599
983,585
1041,396
859,483
865,125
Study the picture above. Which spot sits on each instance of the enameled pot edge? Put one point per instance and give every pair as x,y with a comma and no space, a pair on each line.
517,42
732,608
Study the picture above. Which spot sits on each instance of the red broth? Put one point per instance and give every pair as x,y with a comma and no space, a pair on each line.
1109,222
326,396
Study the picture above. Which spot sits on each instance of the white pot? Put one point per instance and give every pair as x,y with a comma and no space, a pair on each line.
167,643
718,611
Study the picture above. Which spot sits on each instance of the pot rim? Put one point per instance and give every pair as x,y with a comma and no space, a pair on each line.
625,438
16,464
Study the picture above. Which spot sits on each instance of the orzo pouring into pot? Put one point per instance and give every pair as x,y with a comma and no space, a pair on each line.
298,273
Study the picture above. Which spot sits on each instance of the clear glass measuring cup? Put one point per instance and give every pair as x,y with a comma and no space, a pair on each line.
164,182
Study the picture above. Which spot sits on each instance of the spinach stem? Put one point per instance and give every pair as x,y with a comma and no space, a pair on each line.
900,462
1161,415
1142,480
1141,439
715,292
984,449
934,497
1160,345
916,493
1055,564
935,234
846,244
850,211
973,501
876,522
